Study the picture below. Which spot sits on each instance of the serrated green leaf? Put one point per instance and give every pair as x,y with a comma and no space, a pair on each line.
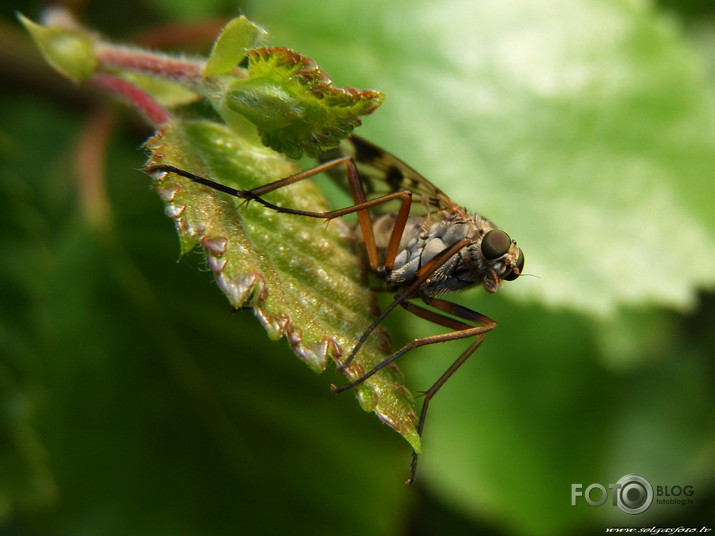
69,51
307,288
294,104
230,47
301,278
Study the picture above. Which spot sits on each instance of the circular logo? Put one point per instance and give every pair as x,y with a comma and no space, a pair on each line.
634,495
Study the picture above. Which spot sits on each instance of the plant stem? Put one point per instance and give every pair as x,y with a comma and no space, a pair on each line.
152,111
116,57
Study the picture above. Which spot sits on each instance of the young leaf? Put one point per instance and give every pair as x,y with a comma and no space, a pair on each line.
230,46
295,105
300,276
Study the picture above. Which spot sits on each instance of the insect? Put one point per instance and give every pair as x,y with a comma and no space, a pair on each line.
426,247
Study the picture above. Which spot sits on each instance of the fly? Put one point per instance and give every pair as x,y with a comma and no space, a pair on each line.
427,247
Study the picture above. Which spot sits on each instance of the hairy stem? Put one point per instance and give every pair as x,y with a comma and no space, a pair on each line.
120,57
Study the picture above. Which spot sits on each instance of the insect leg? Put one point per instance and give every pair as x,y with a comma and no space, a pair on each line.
163,168
361,205
461,330
462,312
422,275
462,326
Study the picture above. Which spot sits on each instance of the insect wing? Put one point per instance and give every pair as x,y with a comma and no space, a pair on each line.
382,174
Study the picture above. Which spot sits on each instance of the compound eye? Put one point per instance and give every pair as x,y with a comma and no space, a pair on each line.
518,268
495,244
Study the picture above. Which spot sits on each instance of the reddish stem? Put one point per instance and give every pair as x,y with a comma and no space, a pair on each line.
90,163
111,56
152,111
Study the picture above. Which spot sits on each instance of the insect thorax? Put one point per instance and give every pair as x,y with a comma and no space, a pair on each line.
423,238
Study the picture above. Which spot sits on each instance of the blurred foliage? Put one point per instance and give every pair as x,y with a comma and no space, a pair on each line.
688,9
134,402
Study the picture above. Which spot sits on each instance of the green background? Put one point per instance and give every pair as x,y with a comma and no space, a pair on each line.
132,401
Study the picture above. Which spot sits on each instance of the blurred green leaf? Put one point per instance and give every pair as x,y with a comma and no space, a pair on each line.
578,143
534,412
27,482
68,50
